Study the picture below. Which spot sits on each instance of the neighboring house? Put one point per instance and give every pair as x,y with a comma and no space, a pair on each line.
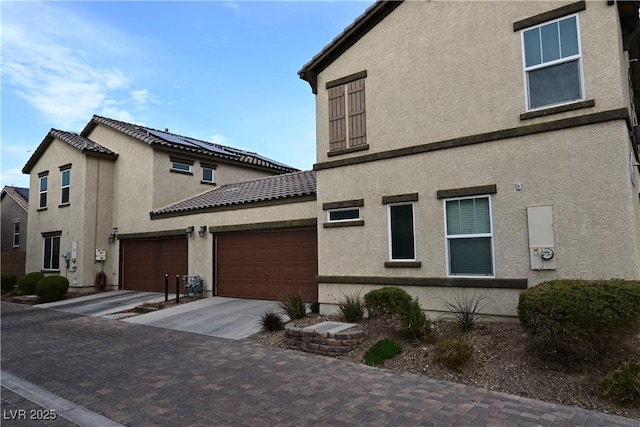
14,203
93,192
477,147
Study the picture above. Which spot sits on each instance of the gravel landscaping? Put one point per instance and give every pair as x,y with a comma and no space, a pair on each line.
501,361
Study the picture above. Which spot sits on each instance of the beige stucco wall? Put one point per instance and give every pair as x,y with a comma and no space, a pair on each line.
69,219
458,68
582,172
11,211
171,187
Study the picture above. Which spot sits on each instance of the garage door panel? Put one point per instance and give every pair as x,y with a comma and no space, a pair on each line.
268,264
146,261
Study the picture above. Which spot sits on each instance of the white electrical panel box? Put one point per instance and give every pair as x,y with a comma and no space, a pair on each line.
101,254
542,248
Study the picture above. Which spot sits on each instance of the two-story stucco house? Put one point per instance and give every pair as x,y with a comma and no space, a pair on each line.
92,194
477,146
14,206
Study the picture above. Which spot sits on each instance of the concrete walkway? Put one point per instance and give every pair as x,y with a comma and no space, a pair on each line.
222,317
138,375
104,303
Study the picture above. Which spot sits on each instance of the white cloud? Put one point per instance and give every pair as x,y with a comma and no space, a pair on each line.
59,73
219,139
14,177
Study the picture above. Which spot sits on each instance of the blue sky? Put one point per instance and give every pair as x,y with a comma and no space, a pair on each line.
220,71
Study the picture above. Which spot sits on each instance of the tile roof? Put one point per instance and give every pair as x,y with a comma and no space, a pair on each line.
347,38
19,194
80,142
155,137
278,187
85,145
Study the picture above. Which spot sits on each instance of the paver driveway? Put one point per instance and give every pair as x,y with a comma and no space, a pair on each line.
144,376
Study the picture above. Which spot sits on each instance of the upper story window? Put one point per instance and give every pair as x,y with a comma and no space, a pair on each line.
65,185
347,214
347,114
553,63
181,166
402,244
469,236
208,173
43,187
16,233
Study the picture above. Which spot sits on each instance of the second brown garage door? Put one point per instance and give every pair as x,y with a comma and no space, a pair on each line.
267,264
144,262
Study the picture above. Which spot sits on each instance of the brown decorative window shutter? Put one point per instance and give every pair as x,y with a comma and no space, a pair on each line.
337,120
357,123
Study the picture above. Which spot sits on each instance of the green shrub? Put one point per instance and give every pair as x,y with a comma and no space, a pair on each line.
271,321
293,305
315,307
623,384
9,282
415,321
381,351
576,320
351,308
465,309
386,301
453,353
393,301
27,283
52,288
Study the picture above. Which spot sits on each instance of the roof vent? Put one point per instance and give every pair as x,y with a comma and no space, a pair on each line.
166,129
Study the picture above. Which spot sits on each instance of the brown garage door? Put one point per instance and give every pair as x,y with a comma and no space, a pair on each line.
145,262
267,264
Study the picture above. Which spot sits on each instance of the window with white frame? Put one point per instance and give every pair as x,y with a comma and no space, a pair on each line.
180,166
51,252
43,186
208,175
469,236
402,245
65,185
553,63
16,233
346,214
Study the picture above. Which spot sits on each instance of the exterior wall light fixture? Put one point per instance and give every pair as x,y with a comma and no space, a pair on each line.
113,235
202,231
189,231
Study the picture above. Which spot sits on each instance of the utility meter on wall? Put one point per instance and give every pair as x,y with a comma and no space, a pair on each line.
541,238
101,255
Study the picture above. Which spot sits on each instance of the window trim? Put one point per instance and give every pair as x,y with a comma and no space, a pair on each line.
467,236
213,175
577,57
16,222
51,236
62,187
413,224
45,192
352,208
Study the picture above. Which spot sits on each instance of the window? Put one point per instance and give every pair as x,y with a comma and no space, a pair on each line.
347,92
44,183
51,258
348,214
179,166
16,233
552,63
469,236
207,174
65,183
401,232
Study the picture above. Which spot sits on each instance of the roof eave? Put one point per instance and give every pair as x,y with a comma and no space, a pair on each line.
362,25
38,153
